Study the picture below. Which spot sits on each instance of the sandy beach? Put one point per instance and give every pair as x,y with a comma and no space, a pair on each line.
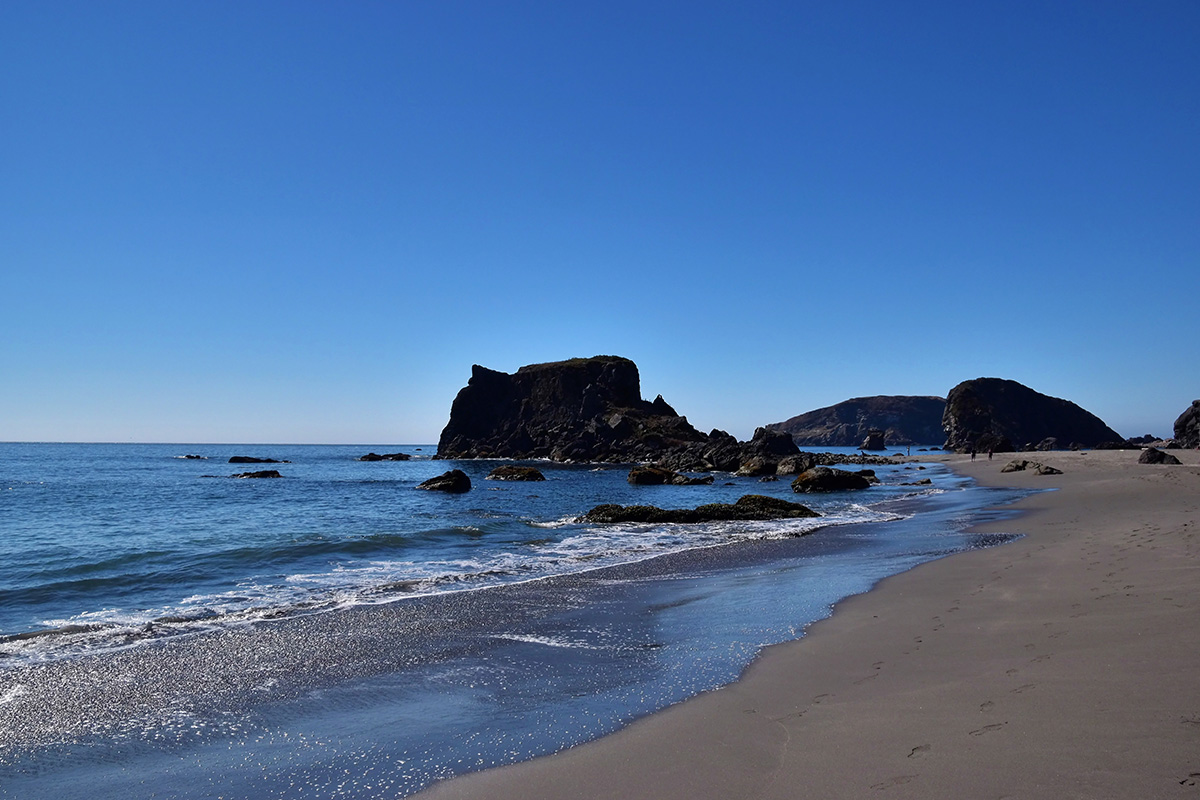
1063,665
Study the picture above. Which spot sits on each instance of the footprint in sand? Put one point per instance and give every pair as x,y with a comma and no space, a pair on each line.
919,751
988,729
987,706
1024,689
896,781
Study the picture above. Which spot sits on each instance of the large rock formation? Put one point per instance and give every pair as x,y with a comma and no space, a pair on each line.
1187,427
1002,415
903,419
585,409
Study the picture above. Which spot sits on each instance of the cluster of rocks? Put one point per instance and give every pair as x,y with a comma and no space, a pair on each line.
748,507
1022,465
385,457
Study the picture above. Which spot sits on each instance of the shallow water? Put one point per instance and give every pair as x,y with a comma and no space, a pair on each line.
364,698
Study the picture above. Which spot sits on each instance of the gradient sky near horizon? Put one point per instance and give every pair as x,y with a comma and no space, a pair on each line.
304,222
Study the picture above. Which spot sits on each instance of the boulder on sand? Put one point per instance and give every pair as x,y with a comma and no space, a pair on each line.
1152,455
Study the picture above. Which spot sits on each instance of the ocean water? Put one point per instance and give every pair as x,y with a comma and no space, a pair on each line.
168,630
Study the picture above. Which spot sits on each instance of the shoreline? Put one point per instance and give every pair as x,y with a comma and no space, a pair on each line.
1059,665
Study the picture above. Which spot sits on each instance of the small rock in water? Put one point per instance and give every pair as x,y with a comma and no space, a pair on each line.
455,481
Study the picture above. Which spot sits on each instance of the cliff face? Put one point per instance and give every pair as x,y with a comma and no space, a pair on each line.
992,413
584,409
1187,427
903,420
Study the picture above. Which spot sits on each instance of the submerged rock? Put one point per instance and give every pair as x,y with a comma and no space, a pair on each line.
512,472
385,457
454,481
827,479
266,473
748,507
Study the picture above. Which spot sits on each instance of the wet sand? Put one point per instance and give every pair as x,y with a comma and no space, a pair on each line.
1064,665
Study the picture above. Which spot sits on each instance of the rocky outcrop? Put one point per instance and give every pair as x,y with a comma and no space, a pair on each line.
1001,415
794,465
658,476
904,420
1187,427
827,479
455,481
874,440
253,460
385,457
513,472
1152,455
585,409
748,507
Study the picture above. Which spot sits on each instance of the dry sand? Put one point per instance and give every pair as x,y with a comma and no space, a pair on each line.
1064,665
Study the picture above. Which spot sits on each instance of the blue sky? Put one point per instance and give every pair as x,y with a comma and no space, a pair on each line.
303,222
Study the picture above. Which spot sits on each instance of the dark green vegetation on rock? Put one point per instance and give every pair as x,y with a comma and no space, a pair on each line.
1004,416
512,472
904,420
748,507
455,481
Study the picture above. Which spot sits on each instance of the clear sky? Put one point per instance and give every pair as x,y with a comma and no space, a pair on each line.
305,221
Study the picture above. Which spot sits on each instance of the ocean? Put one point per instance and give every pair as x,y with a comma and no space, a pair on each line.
167,630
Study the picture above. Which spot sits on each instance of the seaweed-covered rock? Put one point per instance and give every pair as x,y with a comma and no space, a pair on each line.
1152,455
455,481
827,479
748,507
512,472
991,414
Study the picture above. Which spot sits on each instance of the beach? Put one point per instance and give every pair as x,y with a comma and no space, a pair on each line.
1061,665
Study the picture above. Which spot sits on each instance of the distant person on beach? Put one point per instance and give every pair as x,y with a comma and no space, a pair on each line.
972,452
990,451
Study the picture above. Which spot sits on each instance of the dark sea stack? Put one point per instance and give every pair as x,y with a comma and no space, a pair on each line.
752,507
253,460
265,473
584,409
1001,415
1152,455
827,479
1187,427
385,457
455,481
874,440
512,472
904,420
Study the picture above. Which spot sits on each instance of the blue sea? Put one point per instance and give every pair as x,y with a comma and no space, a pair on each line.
167,630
